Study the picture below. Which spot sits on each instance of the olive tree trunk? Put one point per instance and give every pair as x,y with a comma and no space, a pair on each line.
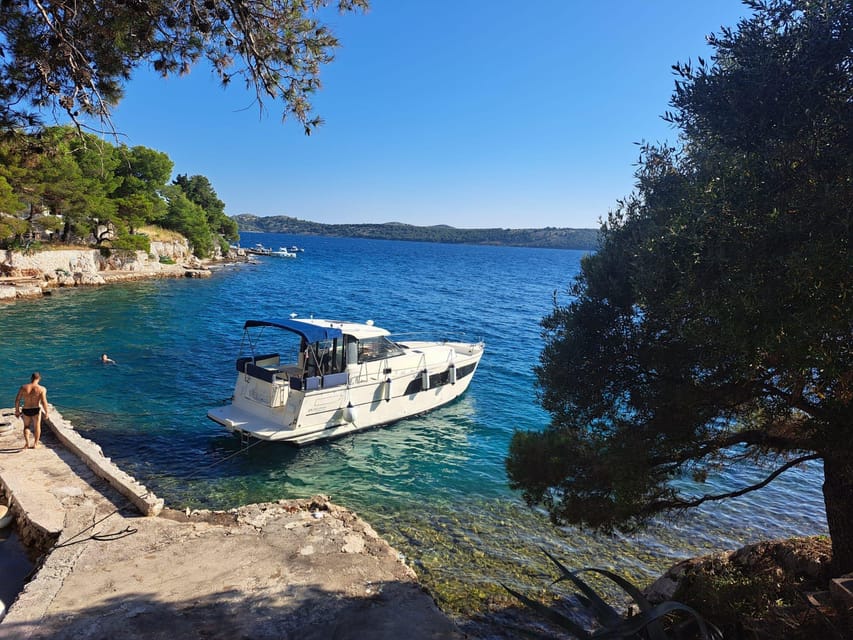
838,496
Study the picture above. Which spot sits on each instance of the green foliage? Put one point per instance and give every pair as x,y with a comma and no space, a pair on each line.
583,239
189,219
50,223
731,595
665,621
132,242
75,61
713,325
9,202
199,190
10,225
143,173
88,189
10,229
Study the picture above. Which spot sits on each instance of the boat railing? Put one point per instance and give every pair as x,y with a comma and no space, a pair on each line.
267,367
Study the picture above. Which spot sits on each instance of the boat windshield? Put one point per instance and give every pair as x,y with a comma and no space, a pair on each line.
377,348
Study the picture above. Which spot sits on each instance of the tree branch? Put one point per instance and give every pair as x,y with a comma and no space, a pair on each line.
686,504
753,437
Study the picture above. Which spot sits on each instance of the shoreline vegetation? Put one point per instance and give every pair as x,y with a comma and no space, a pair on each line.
545,238
34,273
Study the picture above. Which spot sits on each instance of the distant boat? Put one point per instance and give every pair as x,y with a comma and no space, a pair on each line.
295,249
283,253
259,250
346,377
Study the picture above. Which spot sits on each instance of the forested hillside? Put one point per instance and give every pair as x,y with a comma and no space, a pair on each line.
61,186
549,237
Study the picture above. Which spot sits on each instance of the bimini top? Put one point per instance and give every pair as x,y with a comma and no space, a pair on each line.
315,329
311,332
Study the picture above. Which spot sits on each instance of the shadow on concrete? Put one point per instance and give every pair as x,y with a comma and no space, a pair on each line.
395,610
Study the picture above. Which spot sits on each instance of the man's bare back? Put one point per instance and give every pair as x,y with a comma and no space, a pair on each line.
34,397
32,393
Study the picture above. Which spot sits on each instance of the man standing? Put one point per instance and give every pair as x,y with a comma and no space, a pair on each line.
35,397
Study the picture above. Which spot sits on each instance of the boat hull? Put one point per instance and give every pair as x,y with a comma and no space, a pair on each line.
298,411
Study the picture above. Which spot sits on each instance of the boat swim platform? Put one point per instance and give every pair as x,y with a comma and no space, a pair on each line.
110,565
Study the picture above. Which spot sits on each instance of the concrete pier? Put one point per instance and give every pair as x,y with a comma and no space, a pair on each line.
115,563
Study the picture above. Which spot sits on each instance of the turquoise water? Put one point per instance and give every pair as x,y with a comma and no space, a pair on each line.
433,485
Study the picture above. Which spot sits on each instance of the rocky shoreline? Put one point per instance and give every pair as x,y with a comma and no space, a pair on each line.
32,275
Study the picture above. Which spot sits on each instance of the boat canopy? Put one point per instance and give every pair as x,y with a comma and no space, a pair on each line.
311,332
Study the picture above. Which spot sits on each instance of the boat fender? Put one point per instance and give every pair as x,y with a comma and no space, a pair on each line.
451,373
350,414
424,380
387,389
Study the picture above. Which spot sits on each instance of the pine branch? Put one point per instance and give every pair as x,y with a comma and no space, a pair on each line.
686,504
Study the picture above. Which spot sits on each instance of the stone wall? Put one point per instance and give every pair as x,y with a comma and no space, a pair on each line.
35,538
30,275
48,264
70,267
177,250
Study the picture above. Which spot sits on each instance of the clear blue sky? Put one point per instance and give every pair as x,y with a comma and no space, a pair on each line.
472,113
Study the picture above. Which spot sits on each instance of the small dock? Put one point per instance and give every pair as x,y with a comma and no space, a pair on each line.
114,562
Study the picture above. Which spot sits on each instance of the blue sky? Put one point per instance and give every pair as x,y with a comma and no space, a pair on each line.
473,113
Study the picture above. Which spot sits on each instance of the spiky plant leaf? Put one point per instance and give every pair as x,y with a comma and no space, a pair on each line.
603,612
655,630
630,627
551,615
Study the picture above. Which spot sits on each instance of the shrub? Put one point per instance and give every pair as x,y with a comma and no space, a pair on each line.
132,242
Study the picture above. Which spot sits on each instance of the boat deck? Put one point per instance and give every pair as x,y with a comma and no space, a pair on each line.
235,419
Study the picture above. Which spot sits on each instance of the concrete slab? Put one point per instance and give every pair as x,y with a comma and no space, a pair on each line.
304,569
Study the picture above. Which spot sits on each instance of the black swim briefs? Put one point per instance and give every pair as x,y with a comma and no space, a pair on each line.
31,411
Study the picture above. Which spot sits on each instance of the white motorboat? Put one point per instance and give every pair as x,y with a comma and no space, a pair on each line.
283,253
338,377
260,250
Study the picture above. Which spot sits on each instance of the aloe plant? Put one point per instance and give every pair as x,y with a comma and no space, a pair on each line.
666,621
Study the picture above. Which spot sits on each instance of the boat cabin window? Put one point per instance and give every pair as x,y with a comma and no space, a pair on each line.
377,348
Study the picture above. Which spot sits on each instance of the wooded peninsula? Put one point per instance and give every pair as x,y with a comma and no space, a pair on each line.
549,237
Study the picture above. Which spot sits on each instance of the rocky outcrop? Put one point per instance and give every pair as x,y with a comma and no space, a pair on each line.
793,560
26,275
778,589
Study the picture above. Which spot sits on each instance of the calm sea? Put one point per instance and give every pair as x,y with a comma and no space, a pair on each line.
434,485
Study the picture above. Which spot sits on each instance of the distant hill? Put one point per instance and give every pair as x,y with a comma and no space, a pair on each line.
549,237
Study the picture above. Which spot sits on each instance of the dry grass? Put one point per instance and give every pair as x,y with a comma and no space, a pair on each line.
159,234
